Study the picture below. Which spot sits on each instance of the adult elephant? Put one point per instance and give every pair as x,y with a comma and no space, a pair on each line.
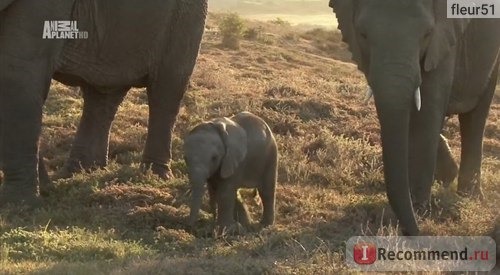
421,67
129,43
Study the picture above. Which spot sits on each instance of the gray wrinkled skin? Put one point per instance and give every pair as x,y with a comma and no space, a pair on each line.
226,154
155,48
401,46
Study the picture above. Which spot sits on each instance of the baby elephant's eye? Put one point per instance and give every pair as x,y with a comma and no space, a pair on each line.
214,158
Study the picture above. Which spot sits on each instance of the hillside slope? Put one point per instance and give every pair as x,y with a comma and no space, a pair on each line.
331,187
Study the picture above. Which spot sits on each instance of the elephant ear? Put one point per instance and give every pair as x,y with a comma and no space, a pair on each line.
344,10
446,34
234,138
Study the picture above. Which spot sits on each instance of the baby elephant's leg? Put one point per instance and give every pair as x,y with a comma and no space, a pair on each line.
267,195
226,197
212,199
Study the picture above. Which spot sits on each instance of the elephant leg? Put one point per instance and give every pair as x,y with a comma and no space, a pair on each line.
43,176
23,89
267,194
91,144
226,198
166,89
212,199
446,168
45,184
241,213
26,66
472,126
164,98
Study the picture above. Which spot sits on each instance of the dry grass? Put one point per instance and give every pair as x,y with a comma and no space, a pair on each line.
330,173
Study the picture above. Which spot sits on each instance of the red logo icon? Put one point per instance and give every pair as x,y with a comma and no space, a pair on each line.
365,253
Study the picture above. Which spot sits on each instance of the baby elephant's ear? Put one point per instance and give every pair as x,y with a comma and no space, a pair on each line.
234,138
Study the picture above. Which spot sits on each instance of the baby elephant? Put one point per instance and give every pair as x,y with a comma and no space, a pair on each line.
232,153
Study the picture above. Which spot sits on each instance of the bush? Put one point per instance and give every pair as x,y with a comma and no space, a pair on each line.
231,27
253,33
280,22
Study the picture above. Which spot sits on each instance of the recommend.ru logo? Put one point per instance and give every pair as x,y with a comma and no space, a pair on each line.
421,253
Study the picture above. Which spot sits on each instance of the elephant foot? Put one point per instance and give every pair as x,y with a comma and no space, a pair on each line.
256,227
72,167
19,195
409,233
67,171
244,221
230,230
473,192
422,209
161,170
46,187
265,223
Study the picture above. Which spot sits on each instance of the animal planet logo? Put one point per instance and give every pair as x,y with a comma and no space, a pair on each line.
365,253
63,30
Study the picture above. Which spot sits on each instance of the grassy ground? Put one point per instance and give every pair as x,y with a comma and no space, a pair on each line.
331,186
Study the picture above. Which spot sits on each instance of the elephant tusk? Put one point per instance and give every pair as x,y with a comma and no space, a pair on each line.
418,99
368,95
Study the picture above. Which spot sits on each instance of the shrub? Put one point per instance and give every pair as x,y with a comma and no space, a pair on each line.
254,33
281,22
231,27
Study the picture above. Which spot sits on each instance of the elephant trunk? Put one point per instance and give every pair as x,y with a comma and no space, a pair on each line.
198,184
394,99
